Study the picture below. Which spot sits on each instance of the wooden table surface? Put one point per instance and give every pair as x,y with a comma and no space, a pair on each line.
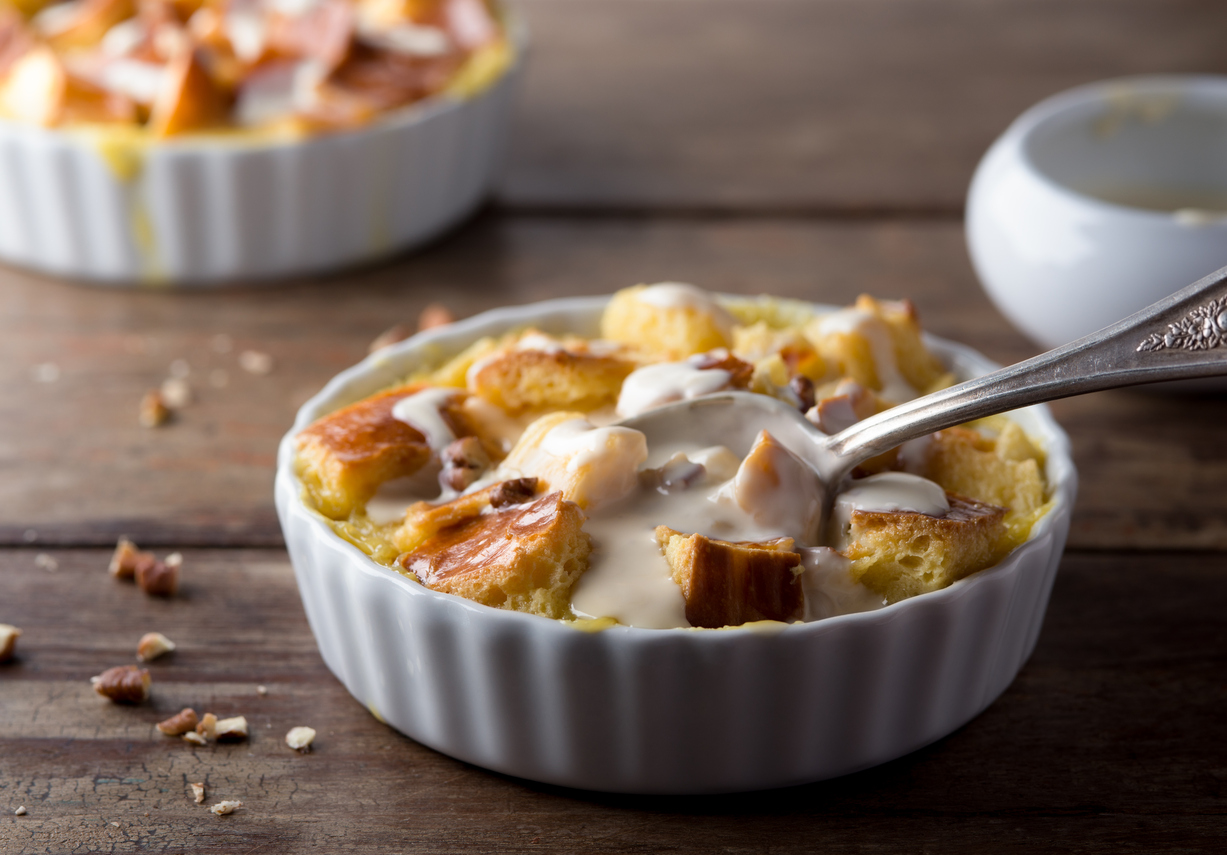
809,148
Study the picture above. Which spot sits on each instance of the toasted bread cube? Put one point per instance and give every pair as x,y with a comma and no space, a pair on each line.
728,584
423,520
345,456
519,380
900,554
922,369
87,24
591,466
524,557
188,98
967,462
669,320
34,88
777,489
878,344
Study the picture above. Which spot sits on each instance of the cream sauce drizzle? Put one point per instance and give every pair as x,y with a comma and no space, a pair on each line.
680,295
874,330
664,382
421,412
888,491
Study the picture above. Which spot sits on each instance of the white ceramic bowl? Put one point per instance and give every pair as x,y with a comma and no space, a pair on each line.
660,711
1101,200
212,209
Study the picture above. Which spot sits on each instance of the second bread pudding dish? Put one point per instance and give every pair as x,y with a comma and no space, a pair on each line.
502,475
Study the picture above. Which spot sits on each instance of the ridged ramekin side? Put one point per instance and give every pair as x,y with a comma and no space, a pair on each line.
665,711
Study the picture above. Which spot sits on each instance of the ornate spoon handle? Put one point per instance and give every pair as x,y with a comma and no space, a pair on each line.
1181,337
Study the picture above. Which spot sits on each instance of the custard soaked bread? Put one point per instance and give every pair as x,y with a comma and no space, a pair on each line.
502,476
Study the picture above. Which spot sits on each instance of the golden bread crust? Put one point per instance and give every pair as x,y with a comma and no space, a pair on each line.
728,584
345,456
525,557
899,554
520,380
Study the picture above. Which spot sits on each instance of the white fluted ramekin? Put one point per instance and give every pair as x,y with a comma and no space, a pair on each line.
216,209
661,711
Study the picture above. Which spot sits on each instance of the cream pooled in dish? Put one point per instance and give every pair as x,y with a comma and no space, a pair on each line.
503,476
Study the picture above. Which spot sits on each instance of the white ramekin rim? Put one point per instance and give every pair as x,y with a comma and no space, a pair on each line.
1061,477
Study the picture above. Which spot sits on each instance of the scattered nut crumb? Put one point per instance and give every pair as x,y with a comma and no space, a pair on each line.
222,343
435,315
116,824
21,811
261,690
46,372
231,729
300,738
176,393
154,412
198,792
123,560
195,738
390,336
255,362
180,368
152,645
228,806
219,378
159,578
208,725
123,684
43,561
8,641
182,722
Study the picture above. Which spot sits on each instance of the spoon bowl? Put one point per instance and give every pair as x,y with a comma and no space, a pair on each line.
1181,337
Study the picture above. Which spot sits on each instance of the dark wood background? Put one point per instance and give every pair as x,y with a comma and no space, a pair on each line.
808,148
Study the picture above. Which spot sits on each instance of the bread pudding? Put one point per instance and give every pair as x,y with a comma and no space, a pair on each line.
173,67
504,475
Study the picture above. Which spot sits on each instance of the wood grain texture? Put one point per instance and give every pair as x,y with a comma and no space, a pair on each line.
1107,742
77,468
811,106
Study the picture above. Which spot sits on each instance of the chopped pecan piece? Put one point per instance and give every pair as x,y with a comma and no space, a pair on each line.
517,491
159,578
152,645
154,412
224,807
464,461
300,738
231,729
803,388
435,315
179,723
198,792
390,336
123,561
207,726
8,641
123,684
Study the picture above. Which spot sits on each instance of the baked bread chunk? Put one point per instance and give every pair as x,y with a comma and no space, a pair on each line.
520,380
900,554
345,456
728,584
669,320
524,557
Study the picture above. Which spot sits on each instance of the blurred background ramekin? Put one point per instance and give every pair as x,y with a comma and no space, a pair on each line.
219,209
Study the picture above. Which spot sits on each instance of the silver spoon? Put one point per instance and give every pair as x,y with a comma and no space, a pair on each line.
1181,337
